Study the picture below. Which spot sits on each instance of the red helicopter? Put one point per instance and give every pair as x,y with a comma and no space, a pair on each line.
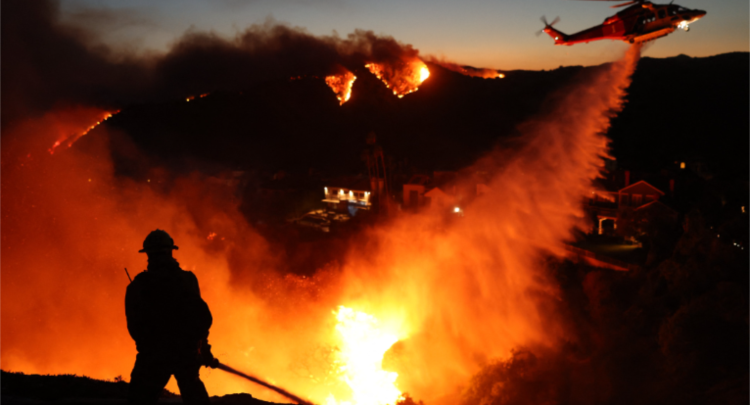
642,21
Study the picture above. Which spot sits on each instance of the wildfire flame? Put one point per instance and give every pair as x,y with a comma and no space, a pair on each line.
341,85
191,98
70,140
402,79
363,344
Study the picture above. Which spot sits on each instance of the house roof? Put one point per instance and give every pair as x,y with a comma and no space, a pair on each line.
436,192
640,187
657,205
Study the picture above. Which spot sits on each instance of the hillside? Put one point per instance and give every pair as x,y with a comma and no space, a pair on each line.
678,108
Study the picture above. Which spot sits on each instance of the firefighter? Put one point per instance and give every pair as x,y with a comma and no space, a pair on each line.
169,322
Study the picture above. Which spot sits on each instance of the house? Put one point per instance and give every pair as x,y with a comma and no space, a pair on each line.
441,197
443,190
606,205
349,194
414,189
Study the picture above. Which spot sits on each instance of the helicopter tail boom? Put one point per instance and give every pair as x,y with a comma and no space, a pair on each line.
559,37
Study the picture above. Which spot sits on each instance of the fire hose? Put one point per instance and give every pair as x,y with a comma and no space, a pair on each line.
258,381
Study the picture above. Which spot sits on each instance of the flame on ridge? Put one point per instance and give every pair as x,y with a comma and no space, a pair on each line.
341,84
468,70
71,139
402,79
191,98
360,356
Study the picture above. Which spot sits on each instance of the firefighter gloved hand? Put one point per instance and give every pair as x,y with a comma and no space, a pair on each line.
205,357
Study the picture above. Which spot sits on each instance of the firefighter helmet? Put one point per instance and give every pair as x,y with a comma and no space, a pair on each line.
158,240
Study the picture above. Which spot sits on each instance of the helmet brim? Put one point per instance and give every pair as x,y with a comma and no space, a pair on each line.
156,249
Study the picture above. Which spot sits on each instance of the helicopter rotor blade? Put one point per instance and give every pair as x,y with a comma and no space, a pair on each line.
625,4
620,5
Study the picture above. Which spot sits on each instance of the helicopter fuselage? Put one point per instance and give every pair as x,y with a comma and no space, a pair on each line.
638,23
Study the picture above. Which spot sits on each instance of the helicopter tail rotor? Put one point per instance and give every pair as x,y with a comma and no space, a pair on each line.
547,24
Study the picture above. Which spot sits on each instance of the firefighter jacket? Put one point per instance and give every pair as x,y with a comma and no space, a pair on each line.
165,312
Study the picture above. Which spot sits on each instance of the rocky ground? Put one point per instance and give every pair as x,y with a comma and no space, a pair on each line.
22,389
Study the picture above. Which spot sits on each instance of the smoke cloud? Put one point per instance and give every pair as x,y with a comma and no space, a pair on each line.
51,63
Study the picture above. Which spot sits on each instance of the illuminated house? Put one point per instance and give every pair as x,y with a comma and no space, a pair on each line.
606,205
349,194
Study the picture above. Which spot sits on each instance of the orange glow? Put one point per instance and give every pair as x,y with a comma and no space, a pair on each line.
341,85
435,300
402,78
71,139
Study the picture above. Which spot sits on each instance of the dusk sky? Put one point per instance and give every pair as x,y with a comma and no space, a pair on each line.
496,34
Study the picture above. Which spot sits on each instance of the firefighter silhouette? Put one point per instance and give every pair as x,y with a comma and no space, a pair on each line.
169,322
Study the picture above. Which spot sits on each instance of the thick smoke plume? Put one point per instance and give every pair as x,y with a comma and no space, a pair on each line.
459,295
51,63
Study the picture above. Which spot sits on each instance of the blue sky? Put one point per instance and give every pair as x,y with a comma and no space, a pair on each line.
497,34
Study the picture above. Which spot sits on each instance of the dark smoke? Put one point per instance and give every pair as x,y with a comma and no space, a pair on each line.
46,63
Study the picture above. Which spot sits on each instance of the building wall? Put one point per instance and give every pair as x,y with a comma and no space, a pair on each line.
408,195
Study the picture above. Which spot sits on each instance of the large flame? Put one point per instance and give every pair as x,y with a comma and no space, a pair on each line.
403,77
341,84
360,357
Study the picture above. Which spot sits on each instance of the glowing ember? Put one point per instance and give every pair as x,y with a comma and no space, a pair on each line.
341,85
363,344
404,78
191,98
70,140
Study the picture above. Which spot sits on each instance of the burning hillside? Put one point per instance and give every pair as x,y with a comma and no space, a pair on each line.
341,84
403,79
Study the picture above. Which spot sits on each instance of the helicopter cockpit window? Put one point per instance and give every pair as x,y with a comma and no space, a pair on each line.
672,10
662,13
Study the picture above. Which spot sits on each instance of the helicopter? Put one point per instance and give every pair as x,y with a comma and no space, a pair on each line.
641,22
